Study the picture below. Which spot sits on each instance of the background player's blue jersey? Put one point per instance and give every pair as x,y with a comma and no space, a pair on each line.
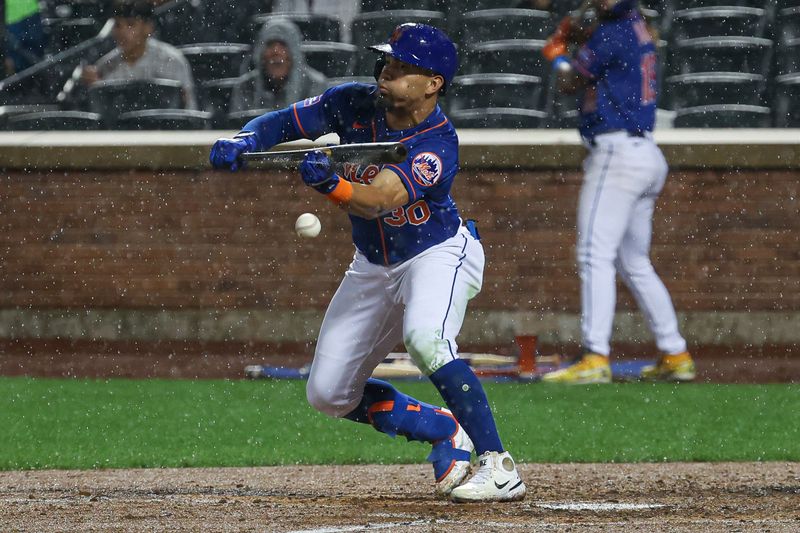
430,216
619,60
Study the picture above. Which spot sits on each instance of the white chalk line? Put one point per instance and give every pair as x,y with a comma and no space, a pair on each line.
599,506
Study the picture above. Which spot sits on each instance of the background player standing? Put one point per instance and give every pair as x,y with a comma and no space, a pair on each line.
415,266
615,73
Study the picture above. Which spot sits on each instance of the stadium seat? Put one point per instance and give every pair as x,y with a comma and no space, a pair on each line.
75,9
332,59
114,97
561,109
180,22
314,27
215,97
718,21
164,119
511,56
706,88
333,82
787,101
385,5
495,90
497,24
721,54
688,4
212,61
8,111
724,116
787,24
55,121
466,6
237,119
788,57
66,33
376,27
498,117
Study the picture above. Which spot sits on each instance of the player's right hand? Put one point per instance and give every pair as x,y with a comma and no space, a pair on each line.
225,152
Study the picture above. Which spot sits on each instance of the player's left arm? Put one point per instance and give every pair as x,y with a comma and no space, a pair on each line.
384,193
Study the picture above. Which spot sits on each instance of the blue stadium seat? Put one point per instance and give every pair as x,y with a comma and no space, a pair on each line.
724,116
212,61
214,96
9,111
706,88
55,121
332,59
498,117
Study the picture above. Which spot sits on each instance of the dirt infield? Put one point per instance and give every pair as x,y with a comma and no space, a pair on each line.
725,497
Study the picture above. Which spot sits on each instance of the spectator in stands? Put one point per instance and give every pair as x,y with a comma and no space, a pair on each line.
281,75
25,37
138,55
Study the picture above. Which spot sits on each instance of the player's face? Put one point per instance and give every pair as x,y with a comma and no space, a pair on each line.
404,85
277,60
131,33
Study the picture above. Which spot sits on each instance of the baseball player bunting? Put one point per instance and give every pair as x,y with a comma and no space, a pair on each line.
614,75
415,266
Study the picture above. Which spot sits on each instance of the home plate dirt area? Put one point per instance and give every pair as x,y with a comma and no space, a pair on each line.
673,497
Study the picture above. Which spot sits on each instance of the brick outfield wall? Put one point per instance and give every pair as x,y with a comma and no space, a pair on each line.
723,241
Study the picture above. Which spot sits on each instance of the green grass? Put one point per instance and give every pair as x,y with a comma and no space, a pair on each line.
68,423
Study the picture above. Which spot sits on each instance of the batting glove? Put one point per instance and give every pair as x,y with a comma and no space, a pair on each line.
225,152
317,172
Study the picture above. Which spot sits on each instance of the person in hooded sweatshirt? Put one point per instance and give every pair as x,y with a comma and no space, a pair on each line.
281,75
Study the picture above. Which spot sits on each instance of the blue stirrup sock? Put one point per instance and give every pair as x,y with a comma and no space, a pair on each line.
394,413
465,397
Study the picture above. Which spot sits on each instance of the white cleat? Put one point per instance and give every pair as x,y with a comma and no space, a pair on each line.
496,480
450,459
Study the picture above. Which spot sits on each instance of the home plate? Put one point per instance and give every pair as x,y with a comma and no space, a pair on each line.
599,506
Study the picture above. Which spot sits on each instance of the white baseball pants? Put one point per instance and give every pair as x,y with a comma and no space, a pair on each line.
623,177
421,301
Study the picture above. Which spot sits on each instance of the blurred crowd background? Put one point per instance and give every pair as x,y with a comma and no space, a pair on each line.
214,64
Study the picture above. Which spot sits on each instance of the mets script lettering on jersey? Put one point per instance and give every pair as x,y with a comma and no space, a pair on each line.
359,174
430,217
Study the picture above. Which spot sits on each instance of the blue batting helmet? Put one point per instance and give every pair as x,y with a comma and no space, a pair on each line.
424,46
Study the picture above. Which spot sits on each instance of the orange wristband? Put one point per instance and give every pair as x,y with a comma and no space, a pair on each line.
342,193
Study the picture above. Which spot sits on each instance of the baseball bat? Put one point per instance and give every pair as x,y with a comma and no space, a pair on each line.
357,153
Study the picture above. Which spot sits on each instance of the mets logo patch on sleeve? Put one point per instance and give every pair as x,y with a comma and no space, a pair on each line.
311,101
426,168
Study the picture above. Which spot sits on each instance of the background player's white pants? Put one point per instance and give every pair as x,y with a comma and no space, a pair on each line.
623,176
421,301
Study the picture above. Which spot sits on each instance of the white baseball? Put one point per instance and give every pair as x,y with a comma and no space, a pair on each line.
307,225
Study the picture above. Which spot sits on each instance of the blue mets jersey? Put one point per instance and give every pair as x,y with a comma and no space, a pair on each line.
430,216
619,60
